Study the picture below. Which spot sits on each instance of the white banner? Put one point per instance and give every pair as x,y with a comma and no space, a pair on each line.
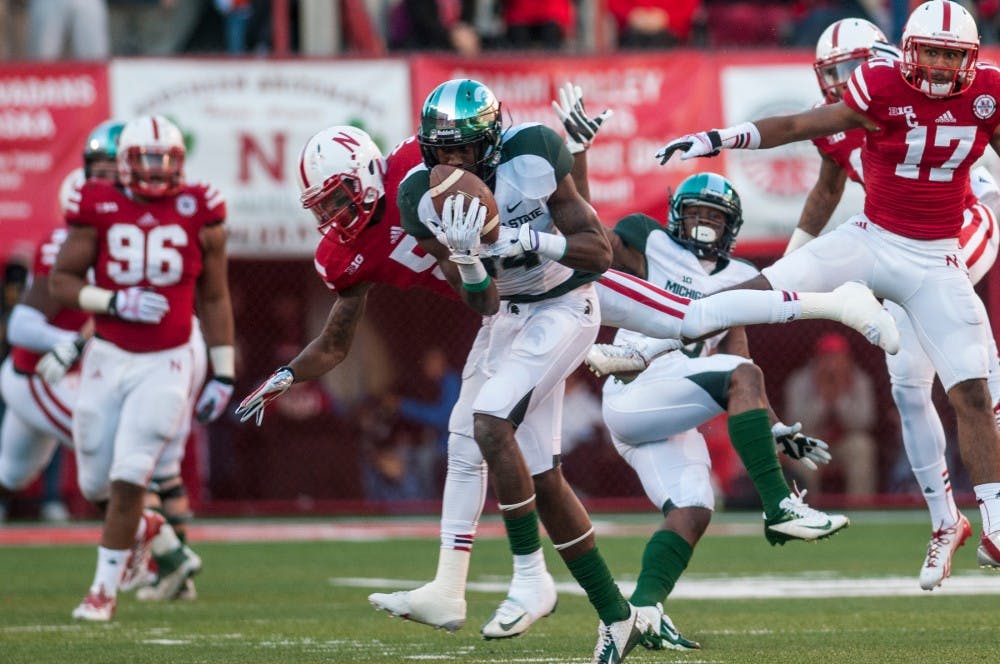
245,123
773,183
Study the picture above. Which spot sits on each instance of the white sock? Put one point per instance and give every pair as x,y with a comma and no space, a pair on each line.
739,307
110,567
935,486
529,565
988,496
452,571
165,541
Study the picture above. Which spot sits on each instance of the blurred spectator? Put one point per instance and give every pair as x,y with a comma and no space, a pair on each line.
387,457
834,400
154,27
988,15
431,453
653,23
236,20
434,25
533,24
84,23
812,17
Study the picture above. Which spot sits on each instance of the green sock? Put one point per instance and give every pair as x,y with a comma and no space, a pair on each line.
750,435
664,559
522,533
593,575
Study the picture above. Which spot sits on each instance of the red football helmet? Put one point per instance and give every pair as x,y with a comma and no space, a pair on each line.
941,24
151,156
842,48
340,176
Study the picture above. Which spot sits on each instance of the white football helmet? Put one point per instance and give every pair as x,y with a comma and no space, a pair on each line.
943,24
151,156
340,176
842,48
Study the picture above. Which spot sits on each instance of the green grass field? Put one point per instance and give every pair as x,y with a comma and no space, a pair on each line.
306,602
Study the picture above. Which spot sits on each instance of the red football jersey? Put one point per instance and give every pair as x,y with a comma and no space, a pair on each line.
65,319
383,253
153,244
916,168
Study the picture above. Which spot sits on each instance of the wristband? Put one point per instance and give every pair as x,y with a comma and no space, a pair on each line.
799,238
223,361
95,299
477,288
551,246
472,273
744,136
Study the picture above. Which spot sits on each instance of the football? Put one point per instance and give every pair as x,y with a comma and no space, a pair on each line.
451,180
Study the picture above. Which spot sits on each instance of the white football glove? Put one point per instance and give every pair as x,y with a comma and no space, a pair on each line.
54,364
702,144
462,228
139,305
580,129
513,242
214,398
268,391
809,451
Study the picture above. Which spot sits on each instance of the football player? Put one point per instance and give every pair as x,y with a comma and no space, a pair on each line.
842,47
927,118
155,244
653,419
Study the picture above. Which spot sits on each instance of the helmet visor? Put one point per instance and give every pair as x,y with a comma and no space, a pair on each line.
155,172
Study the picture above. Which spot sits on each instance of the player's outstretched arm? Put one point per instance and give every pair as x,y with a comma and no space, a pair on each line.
822,200
767,133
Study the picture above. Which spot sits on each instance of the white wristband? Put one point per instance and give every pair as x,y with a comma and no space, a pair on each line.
472,273
744,136
551,246
94,299
223,361
799,238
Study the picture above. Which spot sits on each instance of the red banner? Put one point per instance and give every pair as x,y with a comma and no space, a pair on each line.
653,97
46,113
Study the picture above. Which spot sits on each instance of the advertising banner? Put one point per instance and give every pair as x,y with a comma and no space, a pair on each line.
246,122
46,113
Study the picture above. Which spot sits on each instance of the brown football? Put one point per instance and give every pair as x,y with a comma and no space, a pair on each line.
450,180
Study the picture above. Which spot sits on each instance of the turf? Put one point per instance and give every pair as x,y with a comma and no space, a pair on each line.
288,602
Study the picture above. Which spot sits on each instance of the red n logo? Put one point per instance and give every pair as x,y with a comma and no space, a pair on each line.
951,259
273,163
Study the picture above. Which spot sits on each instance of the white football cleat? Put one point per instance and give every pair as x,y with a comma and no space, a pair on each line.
96,607
170,585
944,542
662,635
988,552
617,640
862,312
425,604
798,521
524,605
137,573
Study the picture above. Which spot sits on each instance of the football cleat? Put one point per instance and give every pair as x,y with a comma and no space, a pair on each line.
862,312
96,606
188,592
661,634
169,585
988,553
522,607
798,521
944,542
627,357
425,604
616,641
137,573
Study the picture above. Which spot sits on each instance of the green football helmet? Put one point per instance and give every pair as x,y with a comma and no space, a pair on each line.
462,112
102,145
715,191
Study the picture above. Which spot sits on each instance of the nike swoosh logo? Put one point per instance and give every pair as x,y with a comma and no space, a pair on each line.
823,527
511,208
506,626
